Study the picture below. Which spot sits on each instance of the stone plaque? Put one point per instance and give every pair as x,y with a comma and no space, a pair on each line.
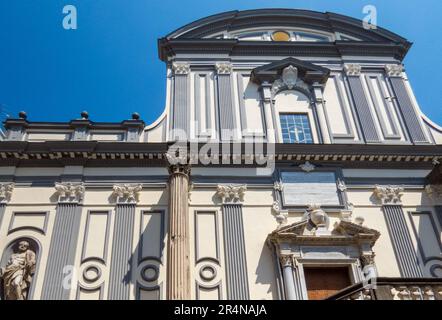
304,188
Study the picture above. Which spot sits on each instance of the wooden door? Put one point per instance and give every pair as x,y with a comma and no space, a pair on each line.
324,282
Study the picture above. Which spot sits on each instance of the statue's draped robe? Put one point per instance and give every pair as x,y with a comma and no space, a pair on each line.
19,264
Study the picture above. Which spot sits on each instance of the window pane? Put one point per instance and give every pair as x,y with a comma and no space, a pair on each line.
295,128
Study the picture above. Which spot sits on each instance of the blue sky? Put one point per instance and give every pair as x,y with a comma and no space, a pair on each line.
109,66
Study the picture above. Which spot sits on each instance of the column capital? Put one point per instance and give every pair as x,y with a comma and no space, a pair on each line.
181,68
433,190
178,164
126,193
6,191
69,192
394,70
367,259
286,260
231,194
223,68
389,195
353,69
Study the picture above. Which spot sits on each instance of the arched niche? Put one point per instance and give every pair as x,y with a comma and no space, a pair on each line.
12,248
295,102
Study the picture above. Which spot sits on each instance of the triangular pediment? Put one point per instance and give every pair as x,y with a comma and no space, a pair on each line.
307,71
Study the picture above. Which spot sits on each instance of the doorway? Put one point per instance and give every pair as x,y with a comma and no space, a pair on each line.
326,281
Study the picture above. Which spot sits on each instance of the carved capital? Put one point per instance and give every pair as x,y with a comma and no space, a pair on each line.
223,68
286,260
178,164
6,191
231,193
353,69
394,70
433,190
389,194
182,68
70,192
126,193
367,259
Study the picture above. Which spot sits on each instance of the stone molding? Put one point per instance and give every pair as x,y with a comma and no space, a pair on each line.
286,260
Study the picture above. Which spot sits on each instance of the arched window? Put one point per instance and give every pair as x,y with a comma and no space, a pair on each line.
295,117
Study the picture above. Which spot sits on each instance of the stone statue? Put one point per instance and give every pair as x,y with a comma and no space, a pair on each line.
18,272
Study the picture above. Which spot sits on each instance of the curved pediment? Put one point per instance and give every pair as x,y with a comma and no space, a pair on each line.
283,25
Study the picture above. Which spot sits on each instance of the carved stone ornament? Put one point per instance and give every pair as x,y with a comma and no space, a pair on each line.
353,69
231,193
394,70
126,193
290,76
389,194
280,215
278,186
317,215
223,68
341,186
434,190
70,192
6,191
307,166
181,68
289,80
18,272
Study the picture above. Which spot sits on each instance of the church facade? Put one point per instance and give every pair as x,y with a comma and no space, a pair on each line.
292,161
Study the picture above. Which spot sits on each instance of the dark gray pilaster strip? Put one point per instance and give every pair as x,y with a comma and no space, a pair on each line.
62,251
409,114
181,110
2,213
235,256
225,106
120,268
438,215
404,250
363,110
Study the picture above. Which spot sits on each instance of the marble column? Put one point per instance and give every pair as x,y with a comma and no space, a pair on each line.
178,261
289,281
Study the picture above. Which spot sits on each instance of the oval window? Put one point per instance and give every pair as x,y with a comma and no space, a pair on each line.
280,36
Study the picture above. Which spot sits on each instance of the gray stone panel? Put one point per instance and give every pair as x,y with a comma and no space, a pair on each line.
225,105
181,110
408,112
121,258
363,110
235,255
406,255
62,251
2,212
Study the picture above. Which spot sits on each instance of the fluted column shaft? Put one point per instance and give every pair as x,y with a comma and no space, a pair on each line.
178,263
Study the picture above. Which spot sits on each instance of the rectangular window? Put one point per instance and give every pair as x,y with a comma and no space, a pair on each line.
295,128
